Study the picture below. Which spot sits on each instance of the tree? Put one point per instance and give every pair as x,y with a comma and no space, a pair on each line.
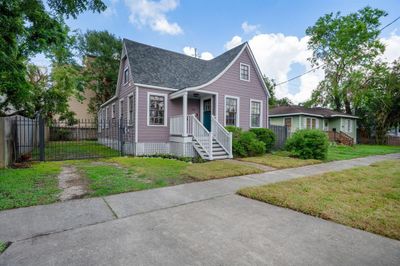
272,100
344,46
29,28
102,51
379,99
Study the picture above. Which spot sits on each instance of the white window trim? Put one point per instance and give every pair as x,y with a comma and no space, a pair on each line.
121,102
130,119
165,112
123,76
291,121
261,113
237,112
240,71
113,110
106,117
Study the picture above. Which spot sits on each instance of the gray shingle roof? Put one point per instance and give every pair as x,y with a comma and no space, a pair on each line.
295,109
158,67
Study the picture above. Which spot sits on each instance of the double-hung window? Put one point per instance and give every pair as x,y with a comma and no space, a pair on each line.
130,109
255,113
231,111
126,75
156,109
311,123
244,72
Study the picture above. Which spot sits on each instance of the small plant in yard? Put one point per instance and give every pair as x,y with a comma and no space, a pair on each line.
308,144
265,135
245,143
3,246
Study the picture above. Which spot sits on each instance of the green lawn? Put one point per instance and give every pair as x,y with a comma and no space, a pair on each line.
279,161
106,176
31,186
342,152
69,150
366,198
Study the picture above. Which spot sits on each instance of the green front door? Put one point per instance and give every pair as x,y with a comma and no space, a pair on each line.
207,114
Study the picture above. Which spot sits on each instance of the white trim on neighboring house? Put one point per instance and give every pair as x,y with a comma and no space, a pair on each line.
165,107
261,113
237,111
240,71
155,87
108,101
136,113
113,111
348,116
128,106
291,114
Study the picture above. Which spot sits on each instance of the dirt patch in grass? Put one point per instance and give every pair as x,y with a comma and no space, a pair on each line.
71,183
366,198
280,162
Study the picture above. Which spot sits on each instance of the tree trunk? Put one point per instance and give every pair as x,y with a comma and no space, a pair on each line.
347,106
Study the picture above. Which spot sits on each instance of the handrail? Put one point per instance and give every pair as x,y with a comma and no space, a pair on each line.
203,137
222,136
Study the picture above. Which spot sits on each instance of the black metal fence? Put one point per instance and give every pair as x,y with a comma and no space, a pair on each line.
282,134
35,139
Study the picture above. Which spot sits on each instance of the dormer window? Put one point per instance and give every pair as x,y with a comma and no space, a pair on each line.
126,75
244,72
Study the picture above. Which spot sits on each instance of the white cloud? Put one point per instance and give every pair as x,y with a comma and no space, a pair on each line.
236,40
111,9
191,51
248,28
153,14
206,56
392,51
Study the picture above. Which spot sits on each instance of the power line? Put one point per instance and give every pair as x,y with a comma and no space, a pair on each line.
315,68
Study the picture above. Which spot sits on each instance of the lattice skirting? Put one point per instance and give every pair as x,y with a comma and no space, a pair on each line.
149,148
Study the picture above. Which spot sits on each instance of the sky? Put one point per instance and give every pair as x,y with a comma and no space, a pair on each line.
274,29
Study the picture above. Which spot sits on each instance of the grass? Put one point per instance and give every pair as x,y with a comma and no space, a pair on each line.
3,246
279,161
366,198
342,152
68,150
30,186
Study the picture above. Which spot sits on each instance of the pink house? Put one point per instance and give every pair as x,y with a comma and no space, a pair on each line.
171,103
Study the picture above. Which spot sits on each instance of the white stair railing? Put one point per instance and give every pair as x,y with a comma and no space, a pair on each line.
203,137
222,136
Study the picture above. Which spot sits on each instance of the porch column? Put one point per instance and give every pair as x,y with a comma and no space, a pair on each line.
184,112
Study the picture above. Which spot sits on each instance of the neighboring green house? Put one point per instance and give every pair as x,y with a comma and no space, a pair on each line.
299,117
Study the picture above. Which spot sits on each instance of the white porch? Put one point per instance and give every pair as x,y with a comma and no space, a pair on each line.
209,138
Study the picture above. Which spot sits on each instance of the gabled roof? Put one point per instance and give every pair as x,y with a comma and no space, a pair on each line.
301,110
158,67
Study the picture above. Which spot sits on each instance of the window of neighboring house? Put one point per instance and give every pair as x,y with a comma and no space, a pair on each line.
244,72
288,123
126,75
349,125
231,111
130,109
106,117
121,109
156,110
113,111
255,113
311,123
325,125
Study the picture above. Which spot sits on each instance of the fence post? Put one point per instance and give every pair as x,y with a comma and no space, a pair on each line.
41,139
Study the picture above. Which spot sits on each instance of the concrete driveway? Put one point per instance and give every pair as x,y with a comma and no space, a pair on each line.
192,224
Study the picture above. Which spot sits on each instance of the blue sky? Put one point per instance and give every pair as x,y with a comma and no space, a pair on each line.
274,29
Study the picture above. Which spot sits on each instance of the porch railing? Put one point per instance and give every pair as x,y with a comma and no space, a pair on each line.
177,125
221,135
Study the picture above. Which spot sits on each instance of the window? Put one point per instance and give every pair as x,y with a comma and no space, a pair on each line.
231,111
121,109
113,110
126,75
244,72
288,122
349,126
156,109
311,123
130,109
255,113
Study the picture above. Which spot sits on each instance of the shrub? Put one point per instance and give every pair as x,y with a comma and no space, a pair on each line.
236,131
308,144
245,143
267,136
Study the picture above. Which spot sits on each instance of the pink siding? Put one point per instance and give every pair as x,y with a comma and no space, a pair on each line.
230,84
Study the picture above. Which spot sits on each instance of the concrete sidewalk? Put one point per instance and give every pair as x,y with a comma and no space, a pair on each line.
196,223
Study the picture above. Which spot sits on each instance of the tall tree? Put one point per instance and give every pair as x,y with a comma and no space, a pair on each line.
342,46
29,28
102,51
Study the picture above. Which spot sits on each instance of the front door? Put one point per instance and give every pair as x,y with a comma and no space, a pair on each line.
207,114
